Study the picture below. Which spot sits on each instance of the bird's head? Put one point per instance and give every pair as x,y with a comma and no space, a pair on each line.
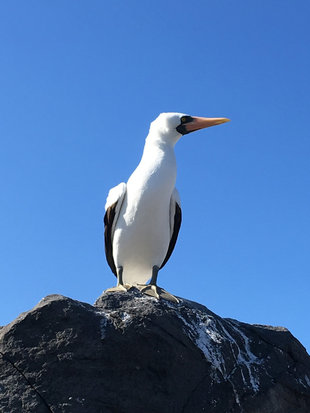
170,127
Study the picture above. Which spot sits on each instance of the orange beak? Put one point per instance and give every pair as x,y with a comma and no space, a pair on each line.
201,123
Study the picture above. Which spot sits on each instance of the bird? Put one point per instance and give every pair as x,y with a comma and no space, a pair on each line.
143,216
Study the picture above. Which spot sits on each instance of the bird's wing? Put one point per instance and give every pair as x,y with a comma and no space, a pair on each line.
175,222
112,209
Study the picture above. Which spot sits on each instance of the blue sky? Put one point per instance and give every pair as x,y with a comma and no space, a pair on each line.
81,81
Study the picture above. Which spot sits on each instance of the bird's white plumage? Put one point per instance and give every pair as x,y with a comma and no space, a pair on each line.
116,194
143,224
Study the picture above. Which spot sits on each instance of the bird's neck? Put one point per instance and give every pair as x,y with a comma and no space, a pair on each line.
157,165
158,153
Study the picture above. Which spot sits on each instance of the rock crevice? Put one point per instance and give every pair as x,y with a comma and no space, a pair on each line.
17,371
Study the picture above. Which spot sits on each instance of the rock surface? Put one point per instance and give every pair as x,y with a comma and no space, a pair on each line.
133,354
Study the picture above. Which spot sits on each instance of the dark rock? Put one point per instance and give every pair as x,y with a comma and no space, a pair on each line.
133,354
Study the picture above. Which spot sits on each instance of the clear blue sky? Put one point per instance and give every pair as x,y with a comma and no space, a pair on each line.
80,82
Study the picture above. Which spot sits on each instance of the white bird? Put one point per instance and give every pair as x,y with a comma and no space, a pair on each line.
143,217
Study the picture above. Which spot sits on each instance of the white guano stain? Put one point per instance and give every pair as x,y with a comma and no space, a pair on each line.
209,335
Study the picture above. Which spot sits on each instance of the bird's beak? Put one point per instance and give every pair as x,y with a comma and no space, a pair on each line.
201,123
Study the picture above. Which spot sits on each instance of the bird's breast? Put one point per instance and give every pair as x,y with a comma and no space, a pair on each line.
149,190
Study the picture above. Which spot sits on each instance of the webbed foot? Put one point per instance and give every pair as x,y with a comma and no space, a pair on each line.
157,292
120,287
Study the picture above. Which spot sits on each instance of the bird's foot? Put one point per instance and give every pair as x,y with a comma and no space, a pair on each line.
157,292
119,287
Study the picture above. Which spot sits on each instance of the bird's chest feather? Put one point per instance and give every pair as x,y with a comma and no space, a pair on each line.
148,194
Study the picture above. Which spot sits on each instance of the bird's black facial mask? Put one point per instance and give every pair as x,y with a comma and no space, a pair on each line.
181,128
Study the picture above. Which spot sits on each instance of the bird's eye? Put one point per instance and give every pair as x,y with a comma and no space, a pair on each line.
185,119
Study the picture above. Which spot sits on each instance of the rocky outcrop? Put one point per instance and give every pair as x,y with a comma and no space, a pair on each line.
130,353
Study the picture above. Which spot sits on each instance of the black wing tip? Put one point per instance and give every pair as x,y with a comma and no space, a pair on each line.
174,237
108,222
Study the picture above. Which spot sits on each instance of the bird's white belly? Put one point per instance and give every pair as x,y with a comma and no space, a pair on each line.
141,239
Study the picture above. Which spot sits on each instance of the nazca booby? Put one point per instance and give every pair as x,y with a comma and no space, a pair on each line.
143,217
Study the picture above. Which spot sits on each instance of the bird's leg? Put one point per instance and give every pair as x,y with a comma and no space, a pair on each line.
120,286
154,291
155,270
119,272
151,288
